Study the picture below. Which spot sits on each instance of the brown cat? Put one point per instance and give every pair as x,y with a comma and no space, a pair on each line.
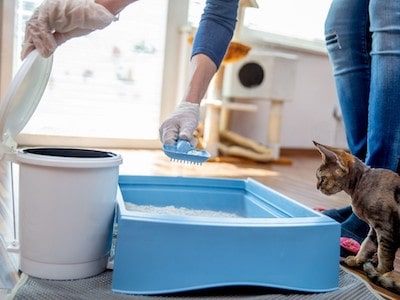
375,198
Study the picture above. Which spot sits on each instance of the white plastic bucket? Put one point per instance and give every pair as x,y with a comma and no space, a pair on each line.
66,209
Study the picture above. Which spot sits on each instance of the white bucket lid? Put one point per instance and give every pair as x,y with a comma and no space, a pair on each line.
22,97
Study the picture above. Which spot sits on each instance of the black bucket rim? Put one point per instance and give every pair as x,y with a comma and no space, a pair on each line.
69,152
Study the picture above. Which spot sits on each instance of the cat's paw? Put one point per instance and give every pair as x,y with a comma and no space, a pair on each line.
370,270
352,261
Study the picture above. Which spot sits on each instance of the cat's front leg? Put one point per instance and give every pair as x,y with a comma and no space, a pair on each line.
367,250
386,254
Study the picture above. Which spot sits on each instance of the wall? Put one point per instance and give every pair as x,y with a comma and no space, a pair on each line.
310,115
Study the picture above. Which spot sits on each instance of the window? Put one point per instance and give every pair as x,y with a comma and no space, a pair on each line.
107,85
291,18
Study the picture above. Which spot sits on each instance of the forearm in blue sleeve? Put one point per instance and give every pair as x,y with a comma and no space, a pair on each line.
216,29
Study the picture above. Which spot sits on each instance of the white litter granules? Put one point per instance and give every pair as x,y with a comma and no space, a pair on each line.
179,211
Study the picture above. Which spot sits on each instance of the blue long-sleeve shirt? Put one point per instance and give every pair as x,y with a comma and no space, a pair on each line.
216,29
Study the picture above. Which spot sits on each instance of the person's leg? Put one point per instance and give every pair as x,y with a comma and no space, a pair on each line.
340,215
348,42
384,102
383,134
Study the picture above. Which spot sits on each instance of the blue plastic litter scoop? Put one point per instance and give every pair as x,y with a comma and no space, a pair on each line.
184,152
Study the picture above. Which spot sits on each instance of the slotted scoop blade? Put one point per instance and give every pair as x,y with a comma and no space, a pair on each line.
186,153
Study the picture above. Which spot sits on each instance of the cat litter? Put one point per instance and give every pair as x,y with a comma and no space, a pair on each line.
276,242
178,211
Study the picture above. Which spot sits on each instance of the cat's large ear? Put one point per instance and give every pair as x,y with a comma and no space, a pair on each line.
330,154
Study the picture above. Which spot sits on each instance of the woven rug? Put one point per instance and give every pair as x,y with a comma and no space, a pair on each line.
99,288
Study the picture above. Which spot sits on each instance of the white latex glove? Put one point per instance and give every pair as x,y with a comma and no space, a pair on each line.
181,124
56,21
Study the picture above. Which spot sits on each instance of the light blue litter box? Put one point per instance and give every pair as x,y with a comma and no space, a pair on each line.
275,242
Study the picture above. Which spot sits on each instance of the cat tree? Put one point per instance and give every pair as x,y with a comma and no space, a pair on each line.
216,107
217,139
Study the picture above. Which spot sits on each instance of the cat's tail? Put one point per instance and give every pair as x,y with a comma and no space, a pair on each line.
389,280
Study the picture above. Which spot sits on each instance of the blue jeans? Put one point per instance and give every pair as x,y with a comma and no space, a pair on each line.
363,43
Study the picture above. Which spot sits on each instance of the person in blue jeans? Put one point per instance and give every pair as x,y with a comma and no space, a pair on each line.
57,21
363,43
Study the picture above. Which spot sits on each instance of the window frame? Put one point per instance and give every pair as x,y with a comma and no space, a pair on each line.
6,42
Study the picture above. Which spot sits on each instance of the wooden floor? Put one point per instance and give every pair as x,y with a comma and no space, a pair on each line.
293,176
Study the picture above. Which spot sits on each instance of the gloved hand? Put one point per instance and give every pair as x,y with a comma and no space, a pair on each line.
56,21
181,124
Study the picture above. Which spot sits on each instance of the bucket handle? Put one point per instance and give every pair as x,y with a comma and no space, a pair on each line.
13,246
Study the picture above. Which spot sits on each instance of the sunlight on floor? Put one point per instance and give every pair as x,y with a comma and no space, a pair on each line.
156,163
